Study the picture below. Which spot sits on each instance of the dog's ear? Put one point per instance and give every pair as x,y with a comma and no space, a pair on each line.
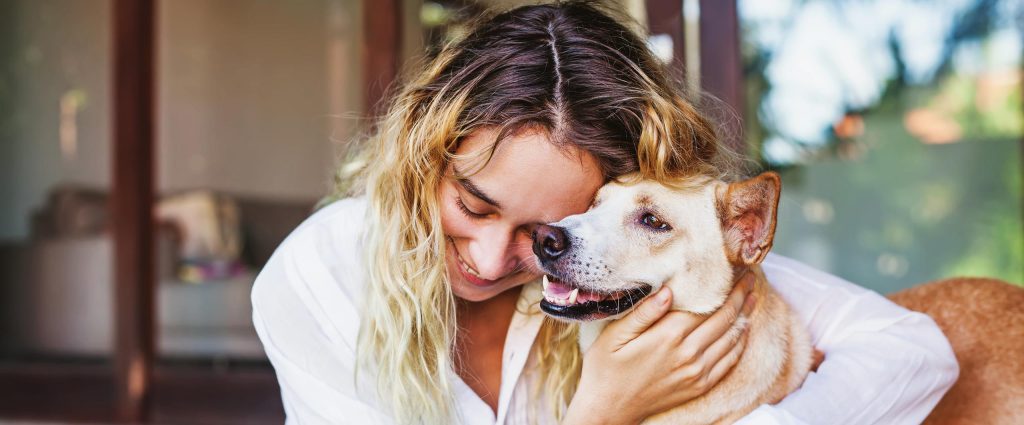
747,211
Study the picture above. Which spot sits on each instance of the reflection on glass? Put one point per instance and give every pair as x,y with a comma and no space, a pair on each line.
255,98
897,127
56,250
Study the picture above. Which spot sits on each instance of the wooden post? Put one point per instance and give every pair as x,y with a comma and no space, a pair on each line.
132,206
382,35
722,67
666,17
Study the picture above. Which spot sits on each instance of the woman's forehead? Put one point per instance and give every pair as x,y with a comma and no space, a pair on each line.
529,173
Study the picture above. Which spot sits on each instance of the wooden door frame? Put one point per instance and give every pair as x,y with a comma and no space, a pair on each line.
721,72
132,201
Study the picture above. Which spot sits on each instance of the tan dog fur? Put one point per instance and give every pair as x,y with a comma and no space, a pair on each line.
779,353
775,363
982,318
984,322
740,219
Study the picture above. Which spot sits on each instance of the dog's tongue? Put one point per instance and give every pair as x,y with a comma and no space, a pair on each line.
562,293
556,287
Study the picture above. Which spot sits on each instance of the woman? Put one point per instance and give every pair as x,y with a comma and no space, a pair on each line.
414,300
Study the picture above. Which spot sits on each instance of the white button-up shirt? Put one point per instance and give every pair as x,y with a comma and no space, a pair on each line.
883,364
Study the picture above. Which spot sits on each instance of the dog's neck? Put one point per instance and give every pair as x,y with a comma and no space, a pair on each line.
590,330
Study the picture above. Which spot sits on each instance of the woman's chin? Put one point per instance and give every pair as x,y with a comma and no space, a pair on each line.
471,292
474,293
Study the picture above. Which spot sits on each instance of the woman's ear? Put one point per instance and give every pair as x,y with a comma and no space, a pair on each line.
747,211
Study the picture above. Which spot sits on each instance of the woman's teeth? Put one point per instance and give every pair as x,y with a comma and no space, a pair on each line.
465,266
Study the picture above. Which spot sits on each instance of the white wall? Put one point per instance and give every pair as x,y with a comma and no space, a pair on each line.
250,95
246,102
51,49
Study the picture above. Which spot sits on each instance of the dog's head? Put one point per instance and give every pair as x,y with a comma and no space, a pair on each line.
638,237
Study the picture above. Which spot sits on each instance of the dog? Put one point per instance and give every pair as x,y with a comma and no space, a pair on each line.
697,237
984,322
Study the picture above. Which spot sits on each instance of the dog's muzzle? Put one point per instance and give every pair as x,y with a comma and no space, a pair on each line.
568,301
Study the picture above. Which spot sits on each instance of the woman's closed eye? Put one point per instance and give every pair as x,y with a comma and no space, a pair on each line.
468,212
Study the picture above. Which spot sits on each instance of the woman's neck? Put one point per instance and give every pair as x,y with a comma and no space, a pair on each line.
490,308
480,342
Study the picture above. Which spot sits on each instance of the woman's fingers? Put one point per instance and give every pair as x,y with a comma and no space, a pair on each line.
720,321
727,361
816,358
661,356
722,347
637,321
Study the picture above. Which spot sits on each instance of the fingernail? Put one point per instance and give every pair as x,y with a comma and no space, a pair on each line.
662,296
748,305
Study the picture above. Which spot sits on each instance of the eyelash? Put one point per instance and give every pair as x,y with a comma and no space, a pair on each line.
466,211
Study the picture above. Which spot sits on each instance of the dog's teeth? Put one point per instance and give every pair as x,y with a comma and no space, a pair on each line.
546,283
573,295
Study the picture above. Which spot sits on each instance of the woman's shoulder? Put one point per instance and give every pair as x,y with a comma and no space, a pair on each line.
338,222
788,275
330,237
315,276
305,307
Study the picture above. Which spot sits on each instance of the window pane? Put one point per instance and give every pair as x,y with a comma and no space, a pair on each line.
255,98
897,127
56,288
56,245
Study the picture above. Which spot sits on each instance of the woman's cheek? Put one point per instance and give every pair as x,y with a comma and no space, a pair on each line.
453,222
524,251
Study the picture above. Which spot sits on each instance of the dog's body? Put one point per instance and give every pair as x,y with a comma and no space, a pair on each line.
984,322
775,364
695,238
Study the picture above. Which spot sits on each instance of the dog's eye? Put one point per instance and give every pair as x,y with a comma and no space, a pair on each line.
652,221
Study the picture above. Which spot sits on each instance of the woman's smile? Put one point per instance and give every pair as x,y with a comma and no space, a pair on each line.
487,216
468,273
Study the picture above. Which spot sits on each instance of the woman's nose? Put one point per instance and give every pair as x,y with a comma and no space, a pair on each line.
495,256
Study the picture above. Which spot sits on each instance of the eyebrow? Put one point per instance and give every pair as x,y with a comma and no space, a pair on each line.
467,184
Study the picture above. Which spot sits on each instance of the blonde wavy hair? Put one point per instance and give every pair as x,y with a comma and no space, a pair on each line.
571,69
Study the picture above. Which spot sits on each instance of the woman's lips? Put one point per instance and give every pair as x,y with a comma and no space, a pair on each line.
467,272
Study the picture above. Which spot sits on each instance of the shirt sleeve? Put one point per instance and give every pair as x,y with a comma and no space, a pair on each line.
883,364
306,318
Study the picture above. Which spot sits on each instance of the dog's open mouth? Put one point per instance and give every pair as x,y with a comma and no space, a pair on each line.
563,299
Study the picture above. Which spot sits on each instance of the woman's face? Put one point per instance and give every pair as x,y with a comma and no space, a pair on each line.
489,217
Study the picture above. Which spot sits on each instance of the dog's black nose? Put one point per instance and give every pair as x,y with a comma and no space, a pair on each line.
549,242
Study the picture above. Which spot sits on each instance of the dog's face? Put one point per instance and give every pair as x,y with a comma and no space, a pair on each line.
638,237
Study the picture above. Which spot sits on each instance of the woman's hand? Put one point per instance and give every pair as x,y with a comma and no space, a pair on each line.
652,360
